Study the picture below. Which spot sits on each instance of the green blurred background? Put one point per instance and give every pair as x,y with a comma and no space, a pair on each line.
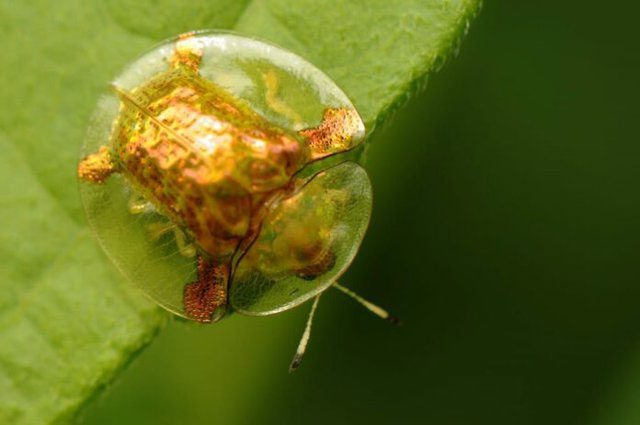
505,233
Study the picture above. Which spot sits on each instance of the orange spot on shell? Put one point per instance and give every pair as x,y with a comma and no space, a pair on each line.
339,131
204,296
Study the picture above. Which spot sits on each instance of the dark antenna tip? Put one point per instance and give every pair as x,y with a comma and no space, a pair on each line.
395,321
302,346
295,363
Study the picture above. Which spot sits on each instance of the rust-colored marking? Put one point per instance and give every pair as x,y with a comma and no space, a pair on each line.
204,296
338,132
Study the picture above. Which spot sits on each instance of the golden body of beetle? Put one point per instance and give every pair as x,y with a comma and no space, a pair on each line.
210,163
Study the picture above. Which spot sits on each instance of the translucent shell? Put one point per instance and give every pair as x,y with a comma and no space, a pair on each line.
321,224
196,153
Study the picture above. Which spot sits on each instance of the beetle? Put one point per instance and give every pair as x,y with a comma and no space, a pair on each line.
235,189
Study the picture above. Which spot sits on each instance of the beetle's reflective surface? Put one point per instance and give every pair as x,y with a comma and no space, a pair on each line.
306,242
191,177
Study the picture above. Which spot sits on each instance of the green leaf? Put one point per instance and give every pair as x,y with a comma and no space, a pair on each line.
68,322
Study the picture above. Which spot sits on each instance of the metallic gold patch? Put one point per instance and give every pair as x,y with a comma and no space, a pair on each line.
96,167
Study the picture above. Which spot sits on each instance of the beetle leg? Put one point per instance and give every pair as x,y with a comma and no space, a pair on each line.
95,168
341,129
206,298
275,102
317,268
138,204
187,54
186,248
157,230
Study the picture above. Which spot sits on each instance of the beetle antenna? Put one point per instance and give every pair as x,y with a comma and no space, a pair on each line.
302,346
378,311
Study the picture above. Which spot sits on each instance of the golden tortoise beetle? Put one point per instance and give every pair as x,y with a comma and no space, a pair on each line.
199,139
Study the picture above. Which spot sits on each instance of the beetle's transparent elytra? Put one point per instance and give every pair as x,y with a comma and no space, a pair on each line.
204,138
212,165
